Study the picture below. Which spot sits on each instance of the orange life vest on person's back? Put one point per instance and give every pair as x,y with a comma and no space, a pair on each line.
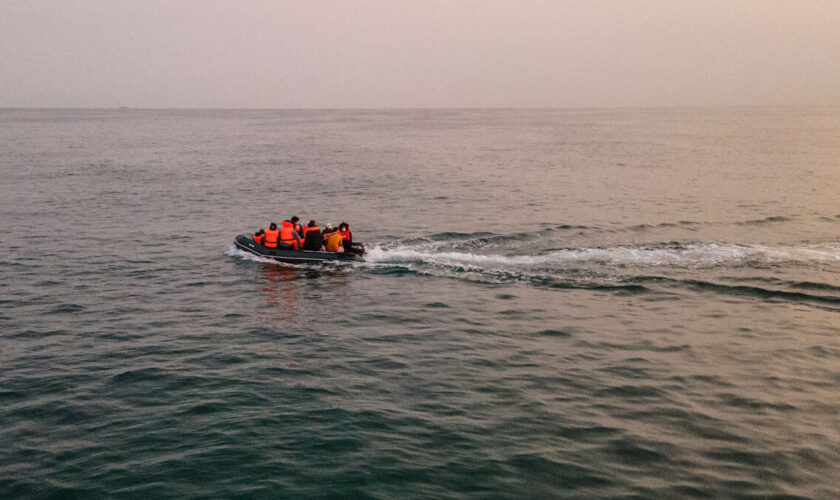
259,238
271,236
307,229
287,234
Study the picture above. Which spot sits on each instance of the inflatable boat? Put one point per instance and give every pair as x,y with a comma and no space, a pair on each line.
287,254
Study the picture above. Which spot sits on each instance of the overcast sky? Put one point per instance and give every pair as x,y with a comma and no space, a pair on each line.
418,53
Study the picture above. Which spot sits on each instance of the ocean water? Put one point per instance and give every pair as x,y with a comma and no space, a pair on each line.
554,304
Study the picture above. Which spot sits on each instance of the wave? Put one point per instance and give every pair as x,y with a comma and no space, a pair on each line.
471,240
766,220
761,292
697,225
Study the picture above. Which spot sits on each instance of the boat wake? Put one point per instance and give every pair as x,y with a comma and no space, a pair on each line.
721,268
690,256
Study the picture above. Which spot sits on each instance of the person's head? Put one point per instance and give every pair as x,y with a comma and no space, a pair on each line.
329,227
272,226
261,231
294,219
344,226
312,223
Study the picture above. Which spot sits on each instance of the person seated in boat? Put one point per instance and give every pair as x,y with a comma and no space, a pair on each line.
313,239
346,235
259,237
298,227
271,236
289,238
332,240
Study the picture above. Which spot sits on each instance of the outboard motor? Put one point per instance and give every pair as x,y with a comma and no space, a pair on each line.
357,248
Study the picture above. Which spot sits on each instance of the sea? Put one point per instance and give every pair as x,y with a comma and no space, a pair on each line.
554,303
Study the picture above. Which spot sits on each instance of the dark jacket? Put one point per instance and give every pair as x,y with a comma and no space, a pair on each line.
314,240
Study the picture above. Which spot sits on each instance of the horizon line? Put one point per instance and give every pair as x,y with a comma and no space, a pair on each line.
411,108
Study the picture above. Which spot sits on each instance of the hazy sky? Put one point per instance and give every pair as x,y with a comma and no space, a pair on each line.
421,53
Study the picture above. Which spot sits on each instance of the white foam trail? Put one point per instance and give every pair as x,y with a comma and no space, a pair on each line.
235,252
692,255
406,254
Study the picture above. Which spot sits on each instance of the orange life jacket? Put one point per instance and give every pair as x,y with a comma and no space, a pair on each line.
287,235
306,230
347,236
271,236
259,238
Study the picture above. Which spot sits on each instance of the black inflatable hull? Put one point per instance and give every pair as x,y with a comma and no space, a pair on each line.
247,243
